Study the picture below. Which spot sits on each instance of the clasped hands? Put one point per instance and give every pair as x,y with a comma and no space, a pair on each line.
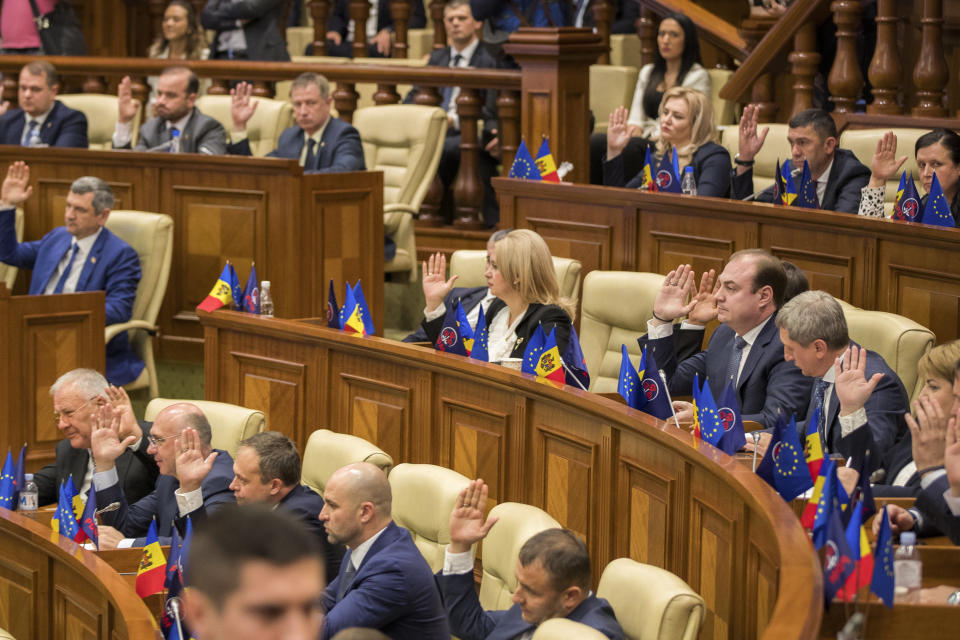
467,526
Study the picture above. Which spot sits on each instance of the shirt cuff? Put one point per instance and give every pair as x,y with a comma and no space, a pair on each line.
953,502
136,445
933,476
190,501
122,134
457,563
126,543
238,136
436,313
686,324
105,479
852,422
917,518
656,331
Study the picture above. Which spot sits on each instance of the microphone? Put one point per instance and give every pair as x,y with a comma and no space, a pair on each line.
753,196
163,146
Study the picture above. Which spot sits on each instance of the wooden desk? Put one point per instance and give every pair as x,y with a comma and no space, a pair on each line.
301,230
630,485
50,588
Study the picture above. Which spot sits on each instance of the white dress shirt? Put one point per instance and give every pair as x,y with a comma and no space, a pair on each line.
76,267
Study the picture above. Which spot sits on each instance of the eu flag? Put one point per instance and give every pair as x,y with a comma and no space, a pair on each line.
480,347
734,437
450,340
708,416
907,205
807,196
832,497
251,293
235,289
531,355
657,398
333,311
628,385
789,188
882,582
66,519
8,483
784,465
937,211
668,181
838,562
523,165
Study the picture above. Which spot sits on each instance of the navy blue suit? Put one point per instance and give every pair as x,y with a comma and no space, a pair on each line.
306,504
133,520
935,509
711,170
111,266
468,621
340,148
64,127
469,298
393,591
767,385
339,21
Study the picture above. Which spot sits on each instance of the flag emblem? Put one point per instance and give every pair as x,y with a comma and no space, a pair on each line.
831,556
727,418
448,337
547,362
650,389
329,313
663,179
910,208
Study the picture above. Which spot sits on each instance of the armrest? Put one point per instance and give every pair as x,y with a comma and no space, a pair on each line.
399,207
115,329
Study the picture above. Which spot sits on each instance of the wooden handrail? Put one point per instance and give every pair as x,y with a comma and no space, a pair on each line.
713,28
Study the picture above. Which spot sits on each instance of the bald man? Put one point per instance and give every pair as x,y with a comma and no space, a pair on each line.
384,583
192,474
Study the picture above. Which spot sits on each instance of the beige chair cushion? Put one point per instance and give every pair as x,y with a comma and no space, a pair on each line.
625,50
229,423
775,147
101,112
327,451
419,43
610,87
263,129
297,39
423,497
6,635
650,603
566,629
863,143
604,327
901,341
501,548
8,273
724,111
470,264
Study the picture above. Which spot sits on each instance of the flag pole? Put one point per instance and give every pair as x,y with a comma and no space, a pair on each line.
572,374
666,389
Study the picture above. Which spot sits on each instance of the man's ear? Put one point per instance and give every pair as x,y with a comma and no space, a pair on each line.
201,614
830,144
571,597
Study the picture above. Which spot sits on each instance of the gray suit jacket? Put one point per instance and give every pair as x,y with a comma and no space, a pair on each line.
202,134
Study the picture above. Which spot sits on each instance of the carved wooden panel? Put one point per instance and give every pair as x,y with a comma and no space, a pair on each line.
760,584
591,244
475,441
20,583
278,388
76,616
929,297
669,240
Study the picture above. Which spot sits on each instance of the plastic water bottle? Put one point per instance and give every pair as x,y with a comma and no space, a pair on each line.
28,497
266,300
689,184
175,141
907,569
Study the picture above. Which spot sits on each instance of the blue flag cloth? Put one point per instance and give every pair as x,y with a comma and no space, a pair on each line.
777,184
667,178
882,582
466,331
19,478
832,496
8,483
523,165
937,211
789,187
838,562
907,205
576,362
66,518
807,196
531,355
734,437
708,416
333,311
628,386
173,560
862,494
784,465
450,340
363,309
480,343
349,303
251,293
657,400
88,519
235,289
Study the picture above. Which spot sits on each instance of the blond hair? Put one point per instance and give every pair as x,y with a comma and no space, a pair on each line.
702,127
525,263
941,361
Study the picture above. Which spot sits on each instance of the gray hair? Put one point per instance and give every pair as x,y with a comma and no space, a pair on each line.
308,78
102,193
88,382
814,315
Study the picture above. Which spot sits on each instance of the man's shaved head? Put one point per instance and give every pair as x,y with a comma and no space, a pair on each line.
357,503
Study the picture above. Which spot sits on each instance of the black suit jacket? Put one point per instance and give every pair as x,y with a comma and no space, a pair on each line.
847,177
306,504
931,503
137,470
64,127
469,298
339,18
261,27
711,170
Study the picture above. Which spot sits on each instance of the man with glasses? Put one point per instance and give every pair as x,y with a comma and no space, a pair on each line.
79,397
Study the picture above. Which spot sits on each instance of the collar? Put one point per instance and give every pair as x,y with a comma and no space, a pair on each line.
751,336
181,123
467,52
40,119
826,172
357,555
830,376
317,135
86,244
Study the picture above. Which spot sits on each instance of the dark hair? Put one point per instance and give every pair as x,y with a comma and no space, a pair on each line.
691,55
198,421
193,82
819,119
278,457
562,554
196,36
235,535
43,68
102,193
796,280
947,138
366,633
770,273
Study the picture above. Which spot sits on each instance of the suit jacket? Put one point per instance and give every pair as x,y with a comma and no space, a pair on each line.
306,503
112,266
711,170
340,148
768,384
847,177
469,622
137,470
339,18
64,127
261,27
935,509
133,520
469,298
393,591
201,134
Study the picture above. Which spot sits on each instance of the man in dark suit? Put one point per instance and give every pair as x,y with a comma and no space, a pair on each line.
83,255
861,399
384,583
177,125
192,474
320,142
41,119
78,397
813,136
379,32
553,579
745,349
248,30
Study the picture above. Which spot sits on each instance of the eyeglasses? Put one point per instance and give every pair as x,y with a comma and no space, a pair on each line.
68,413
156,441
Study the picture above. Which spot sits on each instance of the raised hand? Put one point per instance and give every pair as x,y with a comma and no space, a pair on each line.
242,107
705,309
435,285
126,106
851,384
192,466
671,301
951,455
120,404
885,163
467,525
618,133
928,432
383,40
16,189
105,441
750,140
900,520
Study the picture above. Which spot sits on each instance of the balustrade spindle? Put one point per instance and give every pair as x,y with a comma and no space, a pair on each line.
752,30
930,72
345,100
603,13
508,109
400,11
647,31
805,59
439,31
885,70
845,80
467,190
359,12
320,11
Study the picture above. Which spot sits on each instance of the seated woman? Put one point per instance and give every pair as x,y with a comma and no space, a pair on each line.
936,152
182,38
520,274
676,63
686,124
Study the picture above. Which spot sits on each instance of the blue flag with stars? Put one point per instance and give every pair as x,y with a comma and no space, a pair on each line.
656,399
362,308
807,196
832,496
882,582
8,483
628,386
348,305
937,211
480,343
784,465
734,437
708,417
531,355
66,518
235,289
668,173
523,165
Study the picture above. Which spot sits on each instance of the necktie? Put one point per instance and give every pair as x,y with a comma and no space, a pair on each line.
66,271
819,392
28,133
447,92
733,367
346,580
311,159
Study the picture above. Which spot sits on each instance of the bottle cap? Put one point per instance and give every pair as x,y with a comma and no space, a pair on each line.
688,169
264,284
28,477
908,538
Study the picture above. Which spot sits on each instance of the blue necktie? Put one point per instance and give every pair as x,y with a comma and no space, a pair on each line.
447,92
28,133
346,580
66,271
819,392
311,159
733,367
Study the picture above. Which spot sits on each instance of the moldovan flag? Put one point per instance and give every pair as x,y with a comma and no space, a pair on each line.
862,555
546,164
647,171
222,293
549,364
153,566
813,448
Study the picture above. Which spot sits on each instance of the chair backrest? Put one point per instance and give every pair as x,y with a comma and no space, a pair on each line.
419,43
625,50
610,87
724,111
863,143
404,141
229,423
774,148
6,635
901,341
470,264
604,327
651,603
565,629
423,497
101,112
8,273
501,548
151,236
263,129
297,40
327,451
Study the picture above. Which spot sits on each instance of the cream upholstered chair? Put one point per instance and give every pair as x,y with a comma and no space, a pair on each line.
229,423
625,50
151,236
775,147
263,129
423,497
327,451
501,548
724,111
651,603
419,43
8,273
297,40
604,327
404,141
470,264
610,87
901,341
6,635
101,112
863,142
566,629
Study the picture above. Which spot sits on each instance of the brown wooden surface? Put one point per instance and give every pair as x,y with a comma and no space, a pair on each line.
52,589
630,485
301,230
42,337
